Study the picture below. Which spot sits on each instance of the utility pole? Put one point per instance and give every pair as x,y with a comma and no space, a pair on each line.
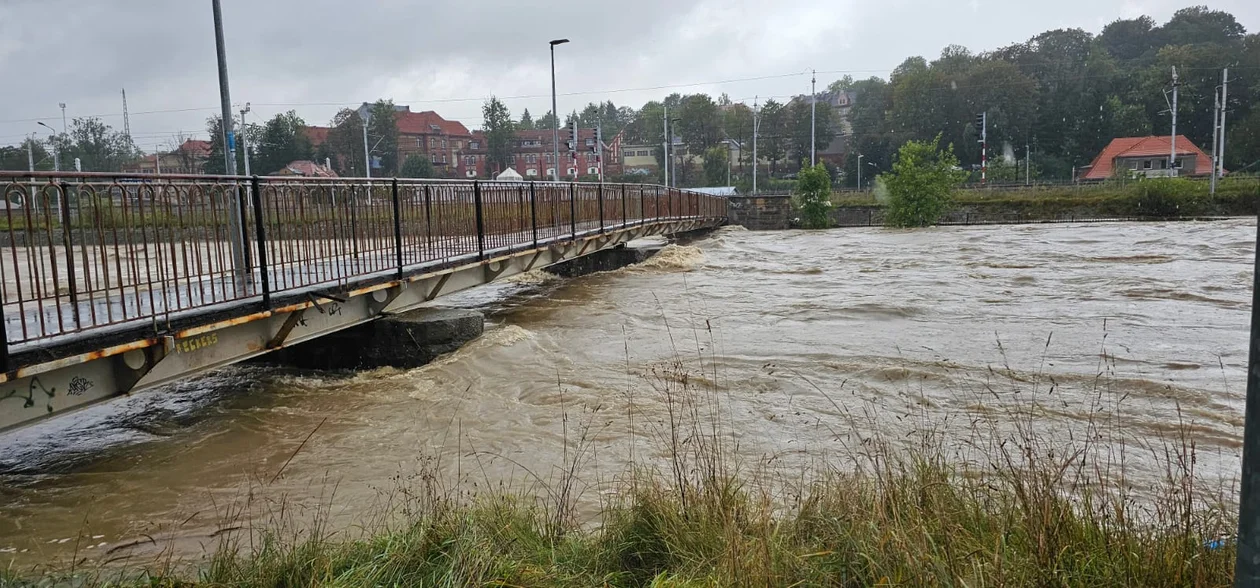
30,152
1172,140
983,120
126,116
666,144
236,232
63,117
599,148
244,147
756,126
367,157
813,114
1027,165
1224,108
1216,129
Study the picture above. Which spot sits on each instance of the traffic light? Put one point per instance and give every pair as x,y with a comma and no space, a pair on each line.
981,127
595,145
569,139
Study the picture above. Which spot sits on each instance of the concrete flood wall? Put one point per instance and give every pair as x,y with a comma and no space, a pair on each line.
760,213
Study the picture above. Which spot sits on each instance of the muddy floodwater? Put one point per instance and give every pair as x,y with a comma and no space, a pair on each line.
809,339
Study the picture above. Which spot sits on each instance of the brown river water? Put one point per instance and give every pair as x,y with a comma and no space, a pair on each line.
810,339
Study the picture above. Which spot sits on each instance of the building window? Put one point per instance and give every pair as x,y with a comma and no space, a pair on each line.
419,142
1178,163
590,142
531,158
531,172
444,143
550,158
511,159
474,145
551,171
1146,164
433,142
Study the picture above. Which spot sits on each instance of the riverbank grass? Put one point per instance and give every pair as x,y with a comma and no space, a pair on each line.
1033,509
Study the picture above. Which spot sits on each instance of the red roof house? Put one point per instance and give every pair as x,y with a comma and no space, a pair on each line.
1148,156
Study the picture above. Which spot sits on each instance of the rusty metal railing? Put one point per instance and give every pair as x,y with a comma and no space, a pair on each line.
81,252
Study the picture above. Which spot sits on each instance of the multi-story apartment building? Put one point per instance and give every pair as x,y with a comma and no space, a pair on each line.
533,156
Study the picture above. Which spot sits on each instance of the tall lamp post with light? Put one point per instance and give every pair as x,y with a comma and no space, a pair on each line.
56,150
555,127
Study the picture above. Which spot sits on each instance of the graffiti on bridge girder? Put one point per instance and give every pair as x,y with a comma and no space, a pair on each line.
29,394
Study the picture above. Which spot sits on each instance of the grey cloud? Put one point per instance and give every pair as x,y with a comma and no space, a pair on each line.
285,51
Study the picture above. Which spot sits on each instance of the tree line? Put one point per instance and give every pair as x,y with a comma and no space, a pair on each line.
1058,97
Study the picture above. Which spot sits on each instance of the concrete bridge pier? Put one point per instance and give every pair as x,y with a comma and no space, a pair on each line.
406,340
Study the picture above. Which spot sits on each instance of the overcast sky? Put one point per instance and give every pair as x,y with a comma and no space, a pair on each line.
316,55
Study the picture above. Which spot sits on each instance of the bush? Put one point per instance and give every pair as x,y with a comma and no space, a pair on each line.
813,197
1169,197
920,183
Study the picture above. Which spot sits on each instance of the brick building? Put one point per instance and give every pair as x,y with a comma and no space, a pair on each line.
533,156
188,158
420,133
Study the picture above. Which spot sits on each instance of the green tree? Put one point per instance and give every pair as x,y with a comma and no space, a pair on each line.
383,137
921,182
98,146
801,117
716,165
344,145
813,197
500,134
1243,151
700,122
773,134
282,141
15,157
546,122
215,158
527,121
416,166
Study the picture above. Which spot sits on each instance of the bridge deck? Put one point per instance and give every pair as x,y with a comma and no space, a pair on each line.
110,283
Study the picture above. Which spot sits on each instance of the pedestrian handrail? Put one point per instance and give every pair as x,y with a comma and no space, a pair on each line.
82,251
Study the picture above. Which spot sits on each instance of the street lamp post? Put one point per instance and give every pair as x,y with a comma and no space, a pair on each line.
57,150
555,113
859,166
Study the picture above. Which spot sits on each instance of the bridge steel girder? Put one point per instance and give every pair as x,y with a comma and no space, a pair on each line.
57,387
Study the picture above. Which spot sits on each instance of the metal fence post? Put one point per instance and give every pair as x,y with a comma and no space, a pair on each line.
67,234
262,244
533,212
428,219
1247,564
573,208
600,192
625,211
398,245
481,226
642,207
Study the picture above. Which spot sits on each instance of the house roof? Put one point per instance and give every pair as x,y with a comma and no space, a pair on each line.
195,147
1103,166
429,123
306,168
